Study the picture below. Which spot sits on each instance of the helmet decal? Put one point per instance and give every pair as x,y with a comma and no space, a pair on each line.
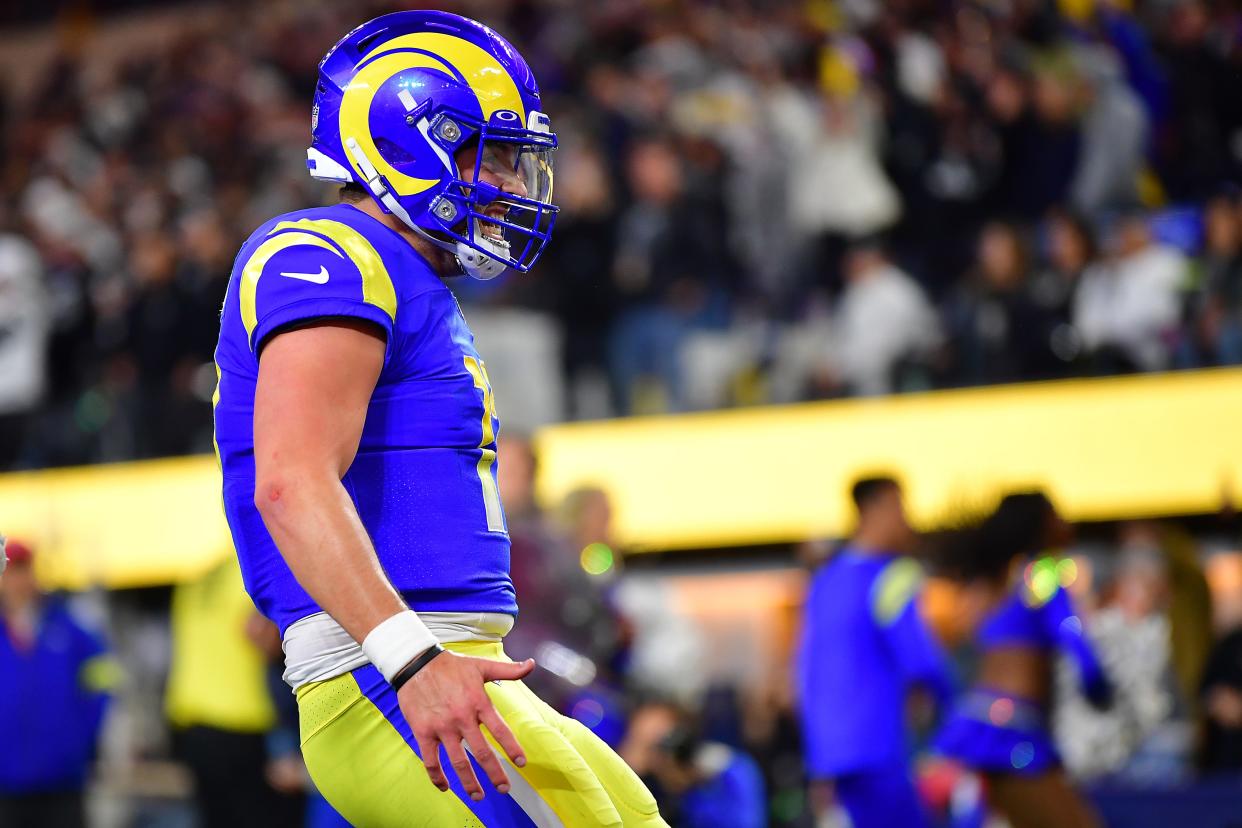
478,69
355,115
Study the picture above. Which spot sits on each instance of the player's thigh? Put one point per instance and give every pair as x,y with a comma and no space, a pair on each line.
583,780
1045,800
364,767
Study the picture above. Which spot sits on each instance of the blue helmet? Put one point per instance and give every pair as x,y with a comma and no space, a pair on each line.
400,95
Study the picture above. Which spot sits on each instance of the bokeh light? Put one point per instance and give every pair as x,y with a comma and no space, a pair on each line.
1022,755
597,558
1000,713
1042,578
588,711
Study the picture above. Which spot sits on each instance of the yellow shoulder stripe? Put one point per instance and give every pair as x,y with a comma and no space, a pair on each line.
896,587
377,287
100,674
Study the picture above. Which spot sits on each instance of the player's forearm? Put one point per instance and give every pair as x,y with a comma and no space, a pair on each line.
318,532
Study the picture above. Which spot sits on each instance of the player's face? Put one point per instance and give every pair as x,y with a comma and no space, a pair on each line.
498,167
891,515
18,586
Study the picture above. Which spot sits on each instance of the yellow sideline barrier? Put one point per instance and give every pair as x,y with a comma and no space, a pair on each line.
1110,448
119,525
1125,447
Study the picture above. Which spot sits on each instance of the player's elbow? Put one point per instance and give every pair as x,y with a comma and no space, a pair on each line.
272,493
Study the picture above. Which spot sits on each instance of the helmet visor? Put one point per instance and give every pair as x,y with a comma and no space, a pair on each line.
534,170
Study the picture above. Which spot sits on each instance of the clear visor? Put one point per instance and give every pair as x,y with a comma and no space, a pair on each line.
534,170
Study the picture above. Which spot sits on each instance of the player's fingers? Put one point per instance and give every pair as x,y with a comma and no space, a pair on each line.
503,735
505,670
461,763
430,749
486,757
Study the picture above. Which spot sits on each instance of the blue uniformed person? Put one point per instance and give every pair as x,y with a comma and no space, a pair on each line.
356,429
1000,728
864,648
55,677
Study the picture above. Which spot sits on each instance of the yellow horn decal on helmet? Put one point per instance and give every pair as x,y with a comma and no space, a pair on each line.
490,81
356,110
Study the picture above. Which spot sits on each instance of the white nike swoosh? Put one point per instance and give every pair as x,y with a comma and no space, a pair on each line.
320,278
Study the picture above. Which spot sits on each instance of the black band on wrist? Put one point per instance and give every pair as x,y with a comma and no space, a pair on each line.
410,670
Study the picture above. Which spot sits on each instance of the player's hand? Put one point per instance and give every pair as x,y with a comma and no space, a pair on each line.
445,704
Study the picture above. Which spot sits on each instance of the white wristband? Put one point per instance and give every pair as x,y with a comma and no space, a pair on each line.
396,641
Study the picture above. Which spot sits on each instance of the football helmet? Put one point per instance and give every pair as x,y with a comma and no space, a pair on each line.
399,96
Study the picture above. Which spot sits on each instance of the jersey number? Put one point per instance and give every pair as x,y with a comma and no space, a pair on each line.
491,497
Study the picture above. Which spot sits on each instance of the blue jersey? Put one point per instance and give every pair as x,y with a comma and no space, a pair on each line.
424,478
1044,619
863,645
55,691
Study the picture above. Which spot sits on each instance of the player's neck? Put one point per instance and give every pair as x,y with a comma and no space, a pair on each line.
869,543
440,260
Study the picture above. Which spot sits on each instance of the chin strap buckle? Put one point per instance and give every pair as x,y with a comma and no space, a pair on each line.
374,181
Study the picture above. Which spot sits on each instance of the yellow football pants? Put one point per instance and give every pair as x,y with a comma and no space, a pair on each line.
363,758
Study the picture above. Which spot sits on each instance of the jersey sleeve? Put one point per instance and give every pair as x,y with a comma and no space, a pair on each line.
1064,627
298,274
894,607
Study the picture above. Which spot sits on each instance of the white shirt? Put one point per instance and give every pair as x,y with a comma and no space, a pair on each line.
1132,304
881,318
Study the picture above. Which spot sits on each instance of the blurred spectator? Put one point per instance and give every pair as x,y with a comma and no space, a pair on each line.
882,324
864,648
1114,136
670,269
1070,250
568,624
1127,308
1215,325
1222,705
57,676
1194,151
24,325
838,190
1000,329
1034,103
585,301
1154,637
699,783
1190,603
218,704
1136,740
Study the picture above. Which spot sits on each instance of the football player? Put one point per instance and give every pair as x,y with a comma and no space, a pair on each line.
864,646
356,430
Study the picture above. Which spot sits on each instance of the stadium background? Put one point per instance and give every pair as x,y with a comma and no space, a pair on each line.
796,238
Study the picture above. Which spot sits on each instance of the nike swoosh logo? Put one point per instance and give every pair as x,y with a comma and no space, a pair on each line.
320,278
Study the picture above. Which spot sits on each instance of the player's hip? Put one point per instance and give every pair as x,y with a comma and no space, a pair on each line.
364,759
317,648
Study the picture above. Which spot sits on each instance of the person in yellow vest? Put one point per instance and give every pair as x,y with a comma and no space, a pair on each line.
219,706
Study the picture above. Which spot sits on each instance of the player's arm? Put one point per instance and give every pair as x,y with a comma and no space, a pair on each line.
314,387
1065,627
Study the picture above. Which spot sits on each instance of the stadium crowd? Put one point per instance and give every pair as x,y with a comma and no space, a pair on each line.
761,202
